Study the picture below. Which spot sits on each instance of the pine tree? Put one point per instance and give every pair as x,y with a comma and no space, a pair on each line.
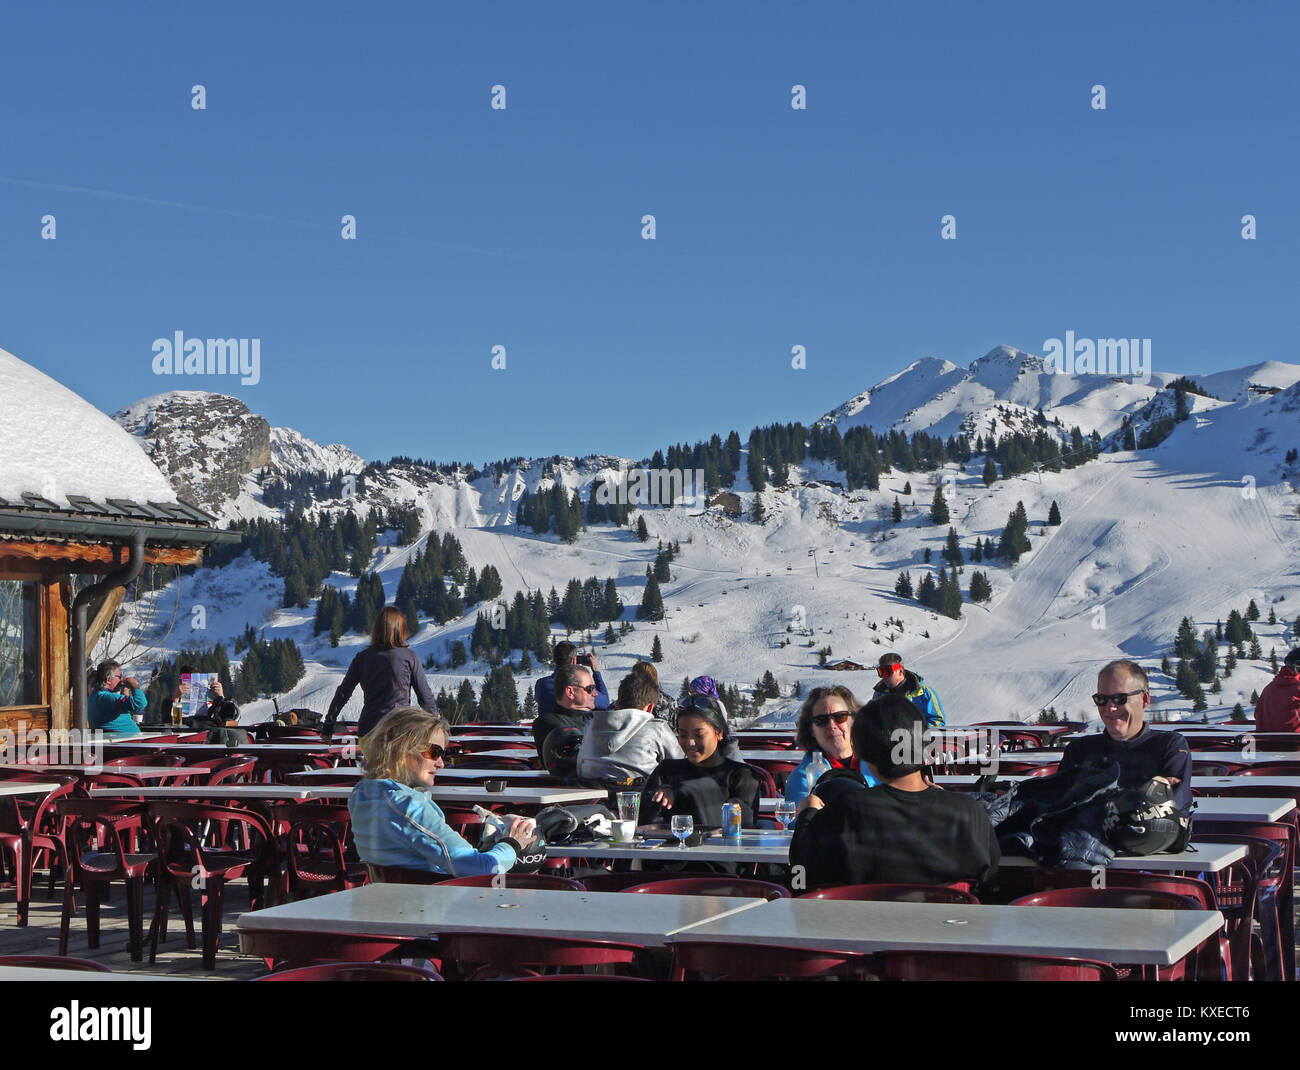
1238,714
458,654
1254,696
1256,651
898,512
1272,617
990,471
1054,515
1229,662
759,514
980,588
656,651
530,705
907,488
642,532
1185,642
1164,665
903,587
927,592
1272,659
952,551
1252,611
652,602
938,507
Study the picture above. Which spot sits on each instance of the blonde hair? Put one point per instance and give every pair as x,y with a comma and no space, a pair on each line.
399,736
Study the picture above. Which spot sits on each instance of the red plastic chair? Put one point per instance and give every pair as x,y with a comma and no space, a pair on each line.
1139,898
542,881
1270,769
964,966
756,962
738,887
272,766
617,881
776,770
144,759
1271,740
1275,888
896,893
1208,768
188,860
1016,739
354,971
492,954
54,962
1237,892
92,836
317,850
402,875
30,827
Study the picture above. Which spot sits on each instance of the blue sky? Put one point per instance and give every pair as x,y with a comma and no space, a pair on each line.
775,227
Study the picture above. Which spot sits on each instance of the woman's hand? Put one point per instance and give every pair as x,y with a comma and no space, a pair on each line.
217,689
523,830
810,802
663,797
131,682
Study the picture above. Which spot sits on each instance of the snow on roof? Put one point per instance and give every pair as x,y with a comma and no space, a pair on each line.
54,443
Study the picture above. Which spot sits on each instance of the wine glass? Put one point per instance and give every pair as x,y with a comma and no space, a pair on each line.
682,825
785,813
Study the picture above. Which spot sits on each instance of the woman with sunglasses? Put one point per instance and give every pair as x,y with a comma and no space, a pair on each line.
824,729
396,823
705,778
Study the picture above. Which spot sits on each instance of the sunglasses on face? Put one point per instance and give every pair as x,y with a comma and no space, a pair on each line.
591,689
823,719
1115,700
435,753
887,670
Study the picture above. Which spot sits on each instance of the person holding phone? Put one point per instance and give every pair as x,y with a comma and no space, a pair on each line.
567,654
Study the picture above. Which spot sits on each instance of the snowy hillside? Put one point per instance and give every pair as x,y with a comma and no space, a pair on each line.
1195,527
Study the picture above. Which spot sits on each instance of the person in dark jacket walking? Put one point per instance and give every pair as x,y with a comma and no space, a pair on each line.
903,831
386,670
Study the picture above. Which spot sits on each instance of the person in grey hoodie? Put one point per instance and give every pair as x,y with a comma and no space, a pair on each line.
627,744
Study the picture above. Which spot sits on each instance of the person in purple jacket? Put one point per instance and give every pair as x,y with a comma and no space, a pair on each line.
386,670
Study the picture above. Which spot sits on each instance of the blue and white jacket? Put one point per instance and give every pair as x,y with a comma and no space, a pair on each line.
398,825
799,783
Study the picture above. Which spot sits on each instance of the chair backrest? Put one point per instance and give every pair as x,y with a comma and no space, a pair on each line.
177,829
1110,897
90,835
1192,888
402,875
767,782
239,771
1270,769
54,962
1274,740
739,887
963,966
113,780
478,761
895,893
1208,768
354,971
145,759
541,881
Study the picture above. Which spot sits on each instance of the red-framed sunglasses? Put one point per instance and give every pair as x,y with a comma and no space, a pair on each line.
888,670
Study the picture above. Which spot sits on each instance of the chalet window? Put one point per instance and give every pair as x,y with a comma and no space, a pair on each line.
20,647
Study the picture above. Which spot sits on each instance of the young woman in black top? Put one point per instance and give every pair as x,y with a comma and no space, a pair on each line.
702,781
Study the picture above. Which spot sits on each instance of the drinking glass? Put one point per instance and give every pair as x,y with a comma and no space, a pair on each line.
682,825
785,813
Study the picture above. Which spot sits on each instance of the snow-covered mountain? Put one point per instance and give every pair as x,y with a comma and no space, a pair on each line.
1196,526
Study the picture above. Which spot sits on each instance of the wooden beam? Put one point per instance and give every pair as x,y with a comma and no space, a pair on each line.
102,616
60,677
96,554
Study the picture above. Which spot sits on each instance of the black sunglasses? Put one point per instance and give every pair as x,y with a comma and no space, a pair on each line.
434,753
823,719
1119,699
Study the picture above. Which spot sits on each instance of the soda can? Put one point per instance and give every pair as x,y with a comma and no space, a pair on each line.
731,817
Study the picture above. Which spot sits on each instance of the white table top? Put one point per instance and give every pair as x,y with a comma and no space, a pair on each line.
144,772
451,793
519,738
26,787
773,846
1199,781
134,746
522,754
1246,757
1137,937
45,973
423,911
1241,808
769,845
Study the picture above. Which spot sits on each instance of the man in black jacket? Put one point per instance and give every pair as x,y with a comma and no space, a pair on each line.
904,830
575,703
1141,752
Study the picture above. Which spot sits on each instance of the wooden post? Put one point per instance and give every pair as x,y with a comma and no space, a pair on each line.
60,676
